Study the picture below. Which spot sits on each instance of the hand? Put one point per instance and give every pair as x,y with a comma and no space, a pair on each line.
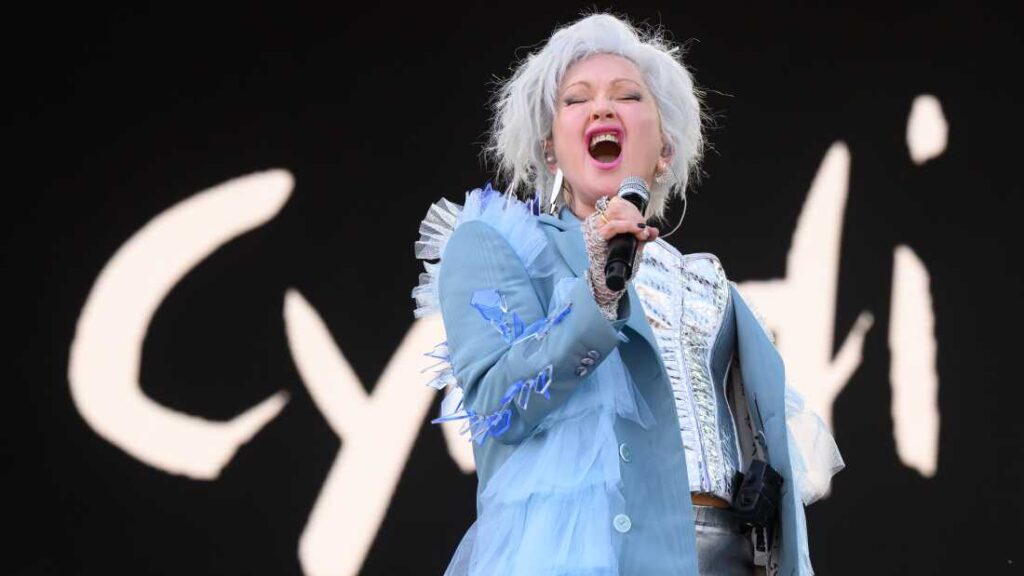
624,218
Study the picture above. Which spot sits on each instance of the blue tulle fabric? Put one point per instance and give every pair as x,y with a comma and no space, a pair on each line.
515,220
546,510
812,449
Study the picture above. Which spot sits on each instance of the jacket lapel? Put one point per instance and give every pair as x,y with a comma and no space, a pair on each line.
764,380
570,246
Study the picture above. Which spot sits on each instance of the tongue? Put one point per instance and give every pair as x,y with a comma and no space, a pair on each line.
605,152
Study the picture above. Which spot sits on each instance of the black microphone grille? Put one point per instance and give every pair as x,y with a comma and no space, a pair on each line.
633,185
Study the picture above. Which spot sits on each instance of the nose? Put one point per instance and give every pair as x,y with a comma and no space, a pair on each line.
603,109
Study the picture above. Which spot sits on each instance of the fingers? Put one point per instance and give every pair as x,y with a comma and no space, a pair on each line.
624,218
616,227
619,209
653,235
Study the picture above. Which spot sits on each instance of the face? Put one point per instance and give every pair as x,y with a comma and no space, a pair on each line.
606,127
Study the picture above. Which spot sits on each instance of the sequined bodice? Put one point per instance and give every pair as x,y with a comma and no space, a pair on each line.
686,299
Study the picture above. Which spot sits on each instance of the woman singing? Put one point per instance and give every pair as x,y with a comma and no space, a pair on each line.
612,429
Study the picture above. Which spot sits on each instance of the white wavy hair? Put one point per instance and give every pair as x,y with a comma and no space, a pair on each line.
524,105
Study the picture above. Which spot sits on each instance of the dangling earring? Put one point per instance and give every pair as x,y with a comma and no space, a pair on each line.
555,189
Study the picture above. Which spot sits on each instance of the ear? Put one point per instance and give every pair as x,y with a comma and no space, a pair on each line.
667,152
665,160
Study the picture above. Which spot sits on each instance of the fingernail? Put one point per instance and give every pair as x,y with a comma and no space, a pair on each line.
641,225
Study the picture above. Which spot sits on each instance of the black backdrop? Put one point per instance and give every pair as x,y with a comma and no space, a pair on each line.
379,110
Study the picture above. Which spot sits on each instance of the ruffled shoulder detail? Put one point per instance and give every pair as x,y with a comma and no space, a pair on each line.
816,458
513,219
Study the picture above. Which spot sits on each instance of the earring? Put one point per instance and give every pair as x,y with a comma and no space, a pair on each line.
662,175
555,189
550,158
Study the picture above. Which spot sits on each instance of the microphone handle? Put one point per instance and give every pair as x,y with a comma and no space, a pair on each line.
618,267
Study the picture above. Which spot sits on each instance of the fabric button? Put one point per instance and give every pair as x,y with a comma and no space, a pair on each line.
587,361
622,523
625,452
581,371
594,354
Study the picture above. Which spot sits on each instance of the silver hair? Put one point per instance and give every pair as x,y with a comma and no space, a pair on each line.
524,105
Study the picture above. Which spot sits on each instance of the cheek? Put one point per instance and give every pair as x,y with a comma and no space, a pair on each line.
564,133
645,144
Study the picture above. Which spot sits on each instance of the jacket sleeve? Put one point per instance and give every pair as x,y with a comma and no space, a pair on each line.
476,258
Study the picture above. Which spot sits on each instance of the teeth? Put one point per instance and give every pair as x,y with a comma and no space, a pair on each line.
603,137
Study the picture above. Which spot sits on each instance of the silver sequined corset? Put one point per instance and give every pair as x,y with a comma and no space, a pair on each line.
687,304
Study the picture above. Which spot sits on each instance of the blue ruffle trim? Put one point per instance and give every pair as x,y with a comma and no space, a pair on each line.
514,220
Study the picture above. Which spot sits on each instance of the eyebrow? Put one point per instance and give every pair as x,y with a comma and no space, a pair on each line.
587,84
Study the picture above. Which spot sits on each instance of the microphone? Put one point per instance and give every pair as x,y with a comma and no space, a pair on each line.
622,247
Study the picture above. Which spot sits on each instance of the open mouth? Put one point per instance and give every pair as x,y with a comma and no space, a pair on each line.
605,147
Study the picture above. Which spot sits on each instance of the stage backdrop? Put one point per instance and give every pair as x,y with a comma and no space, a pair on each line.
208,254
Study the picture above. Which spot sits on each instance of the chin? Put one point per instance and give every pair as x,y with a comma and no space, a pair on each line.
595,190
608,183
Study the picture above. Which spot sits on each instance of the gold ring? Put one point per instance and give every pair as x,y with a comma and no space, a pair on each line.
603,218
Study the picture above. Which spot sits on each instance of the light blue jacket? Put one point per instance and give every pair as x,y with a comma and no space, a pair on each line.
653,532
